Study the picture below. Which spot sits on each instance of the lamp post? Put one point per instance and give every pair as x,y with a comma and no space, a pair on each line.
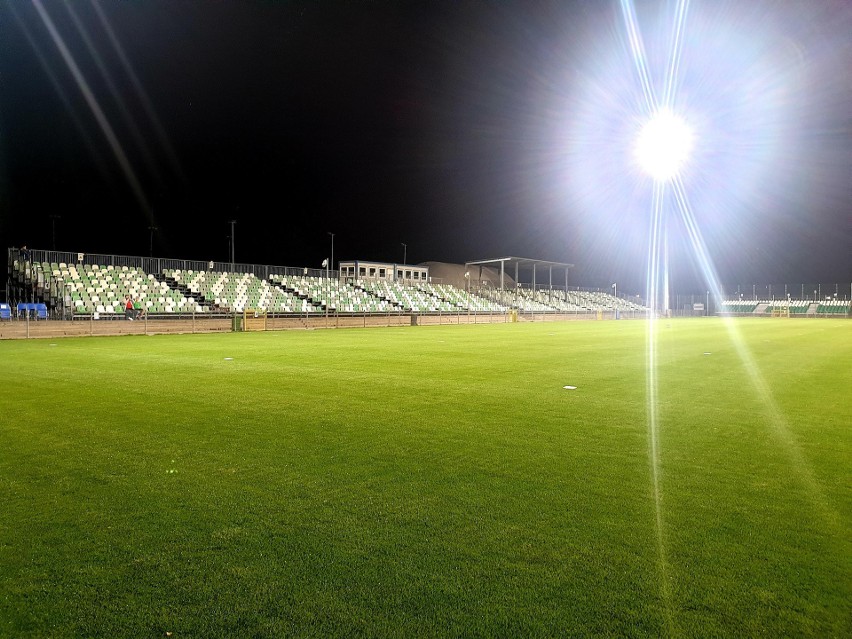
404,253
332,248
615,289
328,294
233,249
53,219
151,244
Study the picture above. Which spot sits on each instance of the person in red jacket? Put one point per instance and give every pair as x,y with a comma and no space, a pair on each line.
128,308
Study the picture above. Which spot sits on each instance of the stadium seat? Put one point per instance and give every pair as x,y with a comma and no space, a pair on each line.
41,311
5,312
23,309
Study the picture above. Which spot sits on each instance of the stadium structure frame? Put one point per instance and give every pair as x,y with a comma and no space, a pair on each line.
522,263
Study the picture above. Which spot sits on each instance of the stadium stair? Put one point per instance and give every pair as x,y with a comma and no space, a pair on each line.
174,284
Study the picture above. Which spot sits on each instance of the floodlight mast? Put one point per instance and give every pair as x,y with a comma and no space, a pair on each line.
663,145
662,149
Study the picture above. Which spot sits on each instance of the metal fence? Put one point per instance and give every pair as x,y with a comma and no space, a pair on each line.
160,264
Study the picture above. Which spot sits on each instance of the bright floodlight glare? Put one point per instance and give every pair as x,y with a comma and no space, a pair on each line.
663,145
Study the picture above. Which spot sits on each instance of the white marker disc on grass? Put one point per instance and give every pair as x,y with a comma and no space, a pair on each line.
570,387
229,359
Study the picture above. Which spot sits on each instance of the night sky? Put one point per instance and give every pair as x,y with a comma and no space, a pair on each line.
466,130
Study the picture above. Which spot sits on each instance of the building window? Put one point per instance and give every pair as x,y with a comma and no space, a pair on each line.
362,271
382,273
372,272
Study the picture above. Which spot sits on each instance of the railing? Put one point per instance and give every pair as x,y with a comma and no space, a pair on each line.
159,264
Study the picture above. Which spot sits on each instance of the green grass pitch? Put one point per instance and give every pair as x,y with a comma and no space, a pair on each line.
430,481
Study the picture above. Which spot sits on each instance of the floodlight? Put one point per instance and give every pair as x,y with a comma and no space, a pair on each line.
663,145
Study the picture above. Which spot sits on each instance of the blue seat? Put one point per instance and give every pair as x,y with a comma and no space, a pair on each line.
23,309
5,312
40,311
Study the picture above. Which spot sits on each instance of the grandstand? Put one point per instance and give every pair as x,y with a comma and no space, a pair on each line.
68,286
787,308
80,286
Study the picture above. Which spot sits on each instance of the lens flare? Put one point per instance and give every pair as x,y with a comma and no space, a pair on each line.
663,145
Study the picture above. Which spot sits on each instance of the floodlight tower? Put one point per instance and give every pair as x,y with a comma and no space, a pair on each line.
663,145
662,149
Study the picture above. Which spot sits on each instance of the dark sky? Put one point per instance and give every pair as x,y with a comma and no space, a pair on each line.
461,129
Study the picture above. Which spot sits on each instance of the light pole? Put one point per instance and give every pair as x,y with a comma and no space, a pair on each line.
615,289
332,248
233,249
328,293
53,219
404,253
151,245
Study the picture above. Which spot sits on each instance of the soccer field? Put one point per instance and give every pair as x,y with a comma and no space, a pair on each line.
430,481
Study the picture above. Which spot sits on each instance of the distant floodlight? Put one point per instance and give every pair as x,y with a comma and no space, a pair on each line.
325,263
663,145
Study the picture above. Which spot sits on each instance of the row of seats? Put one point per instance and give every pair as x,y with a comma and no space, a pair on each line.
795,307
555,300
24,310
738,306
100,291
835,307
240,291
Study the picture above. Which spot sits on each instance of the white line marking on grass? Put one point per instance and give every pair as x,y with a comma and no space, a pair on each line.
570,387
229,359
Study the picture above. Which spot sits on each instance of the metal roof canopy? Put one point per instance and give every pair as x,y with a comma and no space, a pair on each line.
522,262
